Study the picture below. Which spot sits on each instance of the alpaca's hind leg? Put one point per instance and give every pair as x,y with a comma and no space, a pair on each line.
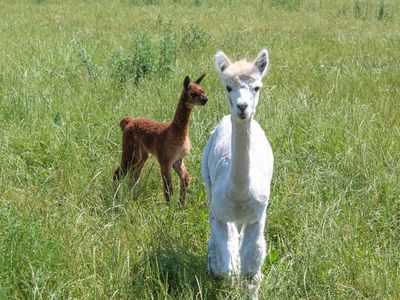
124,165
252,254
129,157
138,167
223,249
184,177
166,169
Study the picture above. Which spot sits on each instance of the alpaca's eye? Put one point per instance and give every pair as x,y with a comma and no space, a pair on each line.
228,88
256,89
193,94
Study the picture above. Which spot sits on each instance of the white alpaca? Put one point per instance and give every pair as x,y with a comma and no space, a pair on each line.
237,169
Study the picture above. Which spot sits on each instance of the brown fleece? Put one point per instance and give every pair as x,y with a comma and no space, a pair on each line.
168,141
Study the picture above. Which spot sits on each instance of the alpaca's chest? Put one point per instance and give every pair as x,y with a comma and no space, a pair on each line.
185,148
178,149
243,208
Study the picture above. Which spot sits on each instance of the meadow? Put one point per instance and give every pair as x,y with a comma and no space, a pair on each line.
69,70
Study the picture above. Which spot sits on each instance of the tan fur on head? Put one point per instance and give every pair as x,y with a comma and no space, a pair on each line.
241,73
241,68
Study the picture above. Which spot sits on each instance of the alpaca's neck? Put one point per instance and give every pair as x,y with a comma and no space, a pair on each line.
180,123
240,161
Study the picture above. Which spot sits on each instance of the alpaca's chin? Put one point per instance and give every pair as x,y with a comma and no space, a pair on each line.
242,118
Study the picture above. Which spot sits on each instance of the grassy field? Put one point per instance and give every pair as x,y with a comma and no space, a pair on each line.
69,70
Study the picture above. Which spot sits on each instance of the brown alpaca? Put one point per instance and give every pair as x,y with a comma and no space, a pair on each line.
168,141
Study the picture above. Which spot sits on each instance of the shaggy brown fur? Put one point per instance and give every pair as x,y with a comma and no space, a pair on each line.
168,141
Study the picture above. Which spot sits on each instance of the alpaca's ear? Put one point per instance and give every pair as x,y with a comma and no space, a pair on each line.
186,82
262,62
221,61
198,80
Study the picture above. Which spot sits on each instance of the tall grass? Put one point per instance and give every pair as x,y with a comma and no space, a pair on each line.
70,70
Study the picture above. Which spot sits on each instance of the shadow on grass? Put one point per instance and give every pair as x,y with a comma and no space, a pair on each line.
174,272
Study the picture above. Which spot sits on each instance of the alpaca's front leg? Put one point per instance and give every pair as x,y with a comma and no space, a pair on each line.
184,177
252,255
223,249
167,180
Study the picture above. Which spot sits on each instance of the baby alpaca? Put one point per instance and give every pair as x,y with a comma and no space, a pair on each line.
237,169
168,141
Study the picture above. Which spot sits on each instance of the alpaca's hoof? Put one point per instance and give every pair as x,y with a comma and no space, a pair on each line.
253,284
116,176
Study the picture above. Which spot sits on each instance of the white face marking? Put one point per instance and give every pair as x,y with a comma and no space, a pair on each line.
243,96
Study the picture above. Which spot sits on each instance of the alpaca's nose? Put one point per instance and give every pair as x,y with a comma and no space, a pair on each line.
242,107
204,99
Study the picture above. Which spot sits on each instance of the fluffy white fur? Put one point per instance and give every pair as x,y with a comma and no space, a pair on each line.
237,168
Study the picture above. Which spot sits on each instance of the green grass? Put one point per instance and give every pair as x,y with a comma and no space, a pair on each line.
330,107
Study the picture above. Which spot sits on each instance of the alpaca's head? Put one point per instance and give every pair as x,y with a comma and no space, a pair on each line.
194,93
242,81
